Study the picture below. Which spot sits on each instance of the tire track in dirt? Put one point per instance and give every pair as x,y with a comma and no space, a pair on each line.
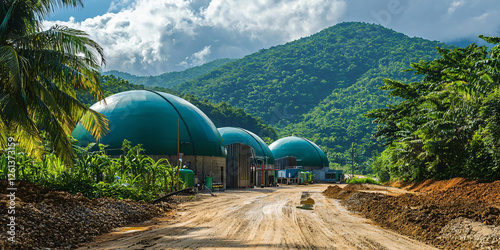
264,219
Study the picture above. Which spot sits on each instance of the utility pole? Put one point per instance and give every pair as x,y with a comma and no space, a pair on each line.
178,149
352,160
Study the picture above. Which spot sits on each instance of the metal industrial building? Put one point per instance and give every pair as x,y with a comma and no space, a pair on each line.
155,120
249,160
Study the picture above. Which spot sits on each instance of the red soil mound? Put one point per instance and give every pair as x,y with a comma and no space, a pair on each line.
332,191
343,193
354,187
433,185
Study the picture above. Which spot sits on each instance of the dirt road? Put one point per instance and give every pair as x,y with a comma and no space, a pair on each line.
262,219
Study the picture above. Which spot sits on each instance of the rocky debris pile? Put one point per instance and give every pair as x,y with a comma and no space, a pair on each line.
471,234
423,216
46,218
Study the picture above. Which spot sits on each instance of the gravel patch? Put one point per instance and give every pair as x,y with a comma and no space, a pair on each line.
471,232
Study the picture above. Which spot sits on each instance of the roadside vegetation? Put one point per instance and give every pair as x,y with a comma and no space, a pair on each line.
448,124
365,180
133,175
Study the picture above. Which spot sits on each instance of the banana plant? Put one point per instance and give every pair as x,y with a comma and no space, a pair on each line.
155,168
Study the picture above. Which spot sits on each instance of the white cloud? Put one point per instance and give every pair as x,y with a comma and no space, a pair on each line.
455,5
197,58
117,5
286,19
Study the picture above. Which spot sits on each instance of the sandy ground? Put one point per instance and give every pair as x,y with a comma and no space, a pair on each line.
259,219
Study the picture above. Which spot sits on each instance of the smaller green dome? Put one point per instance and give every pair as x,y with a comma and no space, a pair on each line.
232,135
307,152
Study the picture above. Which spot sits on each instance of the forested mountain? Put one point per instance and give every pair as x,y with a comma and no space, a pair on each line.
319,86
222,114
171,79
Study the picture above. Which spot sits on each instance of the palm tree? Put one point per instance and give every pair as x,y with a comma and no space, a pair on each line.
39,73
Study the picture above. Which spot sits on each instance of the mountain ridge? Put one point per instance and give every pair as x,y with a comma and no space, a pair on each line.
170,79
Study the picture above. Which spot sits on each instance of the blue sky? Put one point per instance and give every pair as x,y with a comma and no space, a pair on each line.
91,9
150,37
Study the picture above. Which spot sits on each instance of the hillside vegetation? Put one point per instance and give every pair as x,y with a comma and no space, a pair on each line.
448,124
171,79
222,114
320,86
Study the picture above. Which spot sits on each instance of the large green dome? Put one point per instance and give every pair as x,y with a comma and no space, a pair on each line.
150,118
232,135
306,152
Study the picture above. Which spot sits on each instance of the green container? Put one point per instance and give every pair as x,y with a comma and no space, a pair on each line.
208,182
301,177
187,176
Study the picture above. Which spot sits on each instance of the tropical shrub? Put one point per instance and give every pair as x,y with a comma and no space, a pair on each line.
133,175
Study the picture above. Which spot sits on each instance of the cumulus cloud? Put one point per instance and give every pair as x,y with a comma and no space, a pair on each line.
286,19
197,58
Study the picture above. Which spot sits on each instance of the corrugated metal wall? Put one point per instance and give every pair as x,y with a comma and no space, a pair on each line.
238,165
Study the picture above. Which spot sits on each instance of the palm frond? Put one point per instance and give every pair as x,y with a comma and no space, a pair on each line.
39,73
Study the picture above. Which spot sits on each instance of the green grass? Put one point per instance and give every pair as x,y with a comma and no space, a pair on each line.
357,180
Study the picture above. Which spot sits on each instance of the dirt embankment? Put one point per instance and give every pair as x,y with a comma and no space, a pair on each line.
448,214
46,218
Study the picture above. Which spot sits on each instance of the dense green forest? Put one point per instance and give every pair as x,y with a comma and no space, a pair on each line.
448,124
222,114
171,79
320,86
